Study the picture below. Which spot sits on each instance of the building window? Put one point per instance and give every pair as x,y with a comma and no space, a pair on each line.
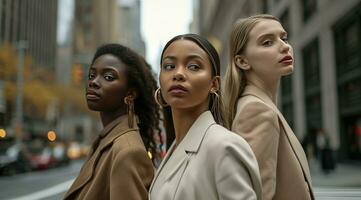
287,111
311,75
285,21
311,65
309,8
348,47
264,6
348,61
287,101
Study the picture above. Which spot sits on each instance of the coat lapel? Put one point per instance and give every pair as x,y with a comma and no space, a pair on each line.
117,128
254,91
177,158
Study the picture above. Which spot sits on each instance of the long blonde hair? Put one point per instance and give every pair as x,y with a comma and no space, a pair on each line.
235,79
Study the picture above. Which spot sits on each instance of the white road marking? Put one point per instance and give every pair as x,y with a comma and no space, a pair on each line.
56,189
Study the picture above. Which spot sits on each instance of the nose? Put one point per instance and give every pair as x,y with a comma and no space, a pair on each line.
93,83
179,74
285,46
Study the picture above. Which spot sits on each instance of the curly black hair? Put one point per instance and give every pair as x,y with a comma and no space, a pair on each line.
142,79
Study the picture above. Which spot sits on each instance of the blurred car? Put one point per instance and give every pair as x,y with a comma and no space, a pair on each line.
40,155
74,151
77,151
13,157
59,153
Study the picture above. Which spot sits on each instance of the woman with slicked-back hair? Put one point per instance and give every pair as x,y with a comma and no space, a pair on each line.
120,87
259,56
205,160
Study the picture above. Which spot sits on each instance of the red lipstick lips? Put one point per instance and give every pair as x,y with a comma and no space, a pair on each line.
286,60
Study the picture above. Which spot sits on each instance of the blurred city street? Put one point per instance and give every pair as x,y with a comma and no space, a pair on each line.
50,184
47,46
342,184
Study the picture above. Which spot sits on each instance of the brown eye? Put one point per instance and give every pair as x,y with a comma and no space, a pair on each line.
285,39
108,77
168,66
91,76
193,67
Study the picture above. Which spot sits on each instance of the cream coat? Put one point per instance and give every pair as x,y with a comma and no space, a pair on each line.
209,163
283,165
118,169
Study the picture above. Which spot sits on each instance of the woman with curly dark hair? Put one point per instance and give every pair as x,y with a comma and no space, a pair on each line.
120,87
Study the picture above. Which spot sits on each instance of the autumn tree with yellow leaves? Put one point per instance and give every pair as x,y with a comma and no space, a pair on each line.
39,87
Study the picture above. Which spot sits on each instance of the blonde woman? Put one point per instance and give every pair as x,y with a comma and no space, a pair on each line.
259,56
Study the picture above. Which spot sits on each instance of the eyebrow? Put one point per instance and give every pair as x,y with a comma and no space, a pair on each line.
106,68
191,56
282,33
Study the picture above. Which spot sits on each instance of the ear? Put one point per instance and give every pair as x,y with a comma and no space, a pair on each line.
216,83
242,62
132,92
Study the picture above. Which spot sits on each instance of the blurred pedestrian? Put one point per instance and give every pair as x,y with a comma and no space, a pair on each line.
259,56
120,88
205,161
326,157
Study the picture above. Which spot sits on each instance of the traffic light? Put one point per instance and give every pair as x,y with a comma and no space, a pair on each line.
2,133
51,136
77,74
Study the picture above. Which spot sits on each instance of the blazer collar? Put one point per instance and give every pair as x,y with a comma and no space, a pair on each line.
193,139
112,131
190,143
255,91
115,129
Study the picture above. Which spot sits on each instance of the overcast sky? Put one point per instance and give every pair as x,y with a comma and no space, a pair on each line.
160,21
65,15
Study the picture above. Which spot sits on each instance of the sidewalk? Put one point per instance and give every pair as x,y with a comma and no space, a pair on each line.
345,175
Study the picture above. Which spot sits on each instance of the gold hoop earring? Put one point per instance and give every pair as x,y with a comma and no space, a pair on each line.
129,100
159,99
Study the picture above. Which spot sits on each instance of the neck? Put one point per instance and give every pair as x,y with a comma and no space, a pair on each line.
268,86
183,119
108,117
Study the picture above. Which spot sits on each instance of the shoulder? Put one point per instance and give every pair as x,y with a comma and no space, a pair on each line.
253,104
220,141
129,143
253,111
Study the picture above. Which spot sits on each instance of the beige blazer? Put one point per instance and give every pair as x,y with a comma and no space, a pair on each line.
119,168
283,165
209,163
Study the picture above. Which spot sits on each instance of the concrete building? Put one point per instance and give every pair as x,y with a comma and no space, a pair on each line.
34,21
129,25
324,92
97,22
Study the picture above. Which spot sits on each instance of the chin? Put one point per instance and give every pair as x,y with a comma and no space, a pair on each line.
287,70
93,107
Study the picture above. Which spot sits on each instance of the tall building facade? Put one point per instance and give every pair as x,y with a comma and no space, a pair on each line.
129,18
324,92
97,22
34,21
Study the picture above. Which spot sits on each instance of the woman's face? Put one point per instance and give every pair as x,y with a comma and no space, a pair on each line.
268,53
186,76
107,84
